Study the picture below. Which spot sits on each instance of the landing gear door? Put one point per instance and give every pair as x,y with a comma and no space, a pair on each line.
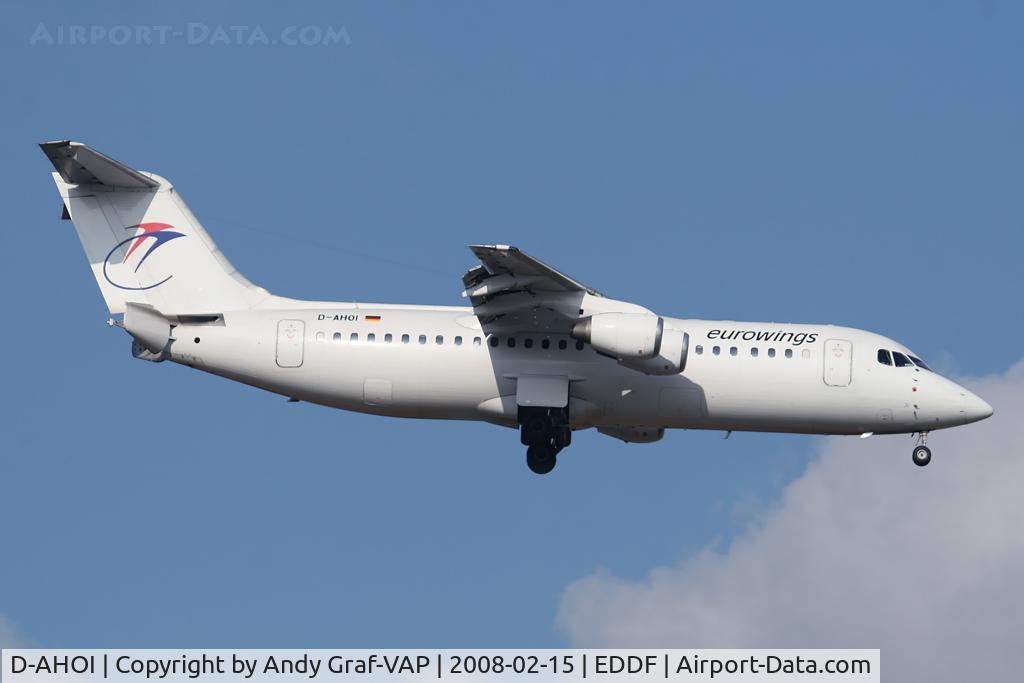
542,391
838,362
290,334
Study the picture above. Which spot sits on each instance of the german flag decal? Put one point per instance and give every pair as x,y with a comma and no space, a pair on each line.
373,318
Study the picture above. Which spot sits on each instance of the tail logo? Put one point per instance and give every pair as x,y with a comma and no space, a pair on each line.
155,235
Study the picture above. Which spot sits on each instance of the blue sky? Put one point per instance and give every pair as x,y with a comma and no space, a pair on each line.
790,162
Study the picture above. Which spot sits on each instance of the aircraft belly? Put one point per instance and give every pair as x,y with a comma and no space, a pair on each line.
425,383
795,406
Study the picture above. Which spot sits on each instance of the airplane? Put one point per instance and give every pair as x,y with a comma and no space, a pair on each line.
535,350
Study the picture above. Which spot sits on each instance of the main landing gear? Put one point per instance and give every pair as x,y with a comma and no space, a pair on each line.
545,431
922,454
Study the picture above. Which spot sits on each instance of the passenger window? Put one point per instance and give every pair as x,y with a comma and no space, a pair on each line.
753,351
458,341
545,343
320,336
423,339
476,341
494,341
806,353
884,358
716,350
699,350
337,337
439,339
771,353
733,351
354,337
528,343
511,342
900,360
387,338
562,344
789,353
579,346
405,339
371,337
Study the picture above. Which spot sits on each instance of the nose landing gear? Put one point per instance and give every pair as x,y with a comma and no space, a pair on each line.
922,455
546,432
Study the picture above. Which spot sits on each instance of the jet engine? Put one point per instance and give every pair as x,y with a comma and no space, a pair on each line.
639,341
622,335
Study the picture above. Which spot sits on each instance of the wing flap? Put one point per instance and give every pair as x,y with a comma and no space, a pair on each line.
513,291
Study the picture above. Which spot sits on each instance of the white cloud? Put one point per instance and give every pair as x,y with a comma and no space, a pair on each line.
8,634
864,550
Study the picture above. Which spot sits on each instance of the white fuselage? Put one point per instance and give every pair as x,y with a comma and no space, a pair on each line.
536,349
436,362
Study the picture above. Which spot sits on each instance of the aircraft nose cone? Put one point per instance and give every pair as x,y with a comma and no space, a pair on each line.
975,408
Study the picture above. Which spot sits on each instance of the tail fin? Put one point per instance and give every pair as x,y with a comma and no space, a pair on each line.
143,243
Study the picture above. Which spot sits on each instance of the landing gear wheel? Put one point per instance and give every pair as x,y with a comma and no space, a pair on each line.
922,456
541,459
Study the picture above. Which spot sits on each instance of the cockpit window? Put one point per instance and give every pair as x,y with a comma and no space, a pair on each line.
901,360
920,363
884,358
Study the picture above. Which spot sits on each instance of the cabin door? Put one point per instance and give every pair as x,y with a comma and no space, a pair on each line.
838,362
289,343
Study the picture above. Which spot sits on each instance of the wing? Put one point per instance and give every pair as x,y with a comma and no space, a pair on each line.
513,291
501,259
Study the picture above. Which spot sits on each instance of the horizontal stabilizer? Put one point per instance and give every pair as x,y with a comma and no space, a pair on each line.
80,164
